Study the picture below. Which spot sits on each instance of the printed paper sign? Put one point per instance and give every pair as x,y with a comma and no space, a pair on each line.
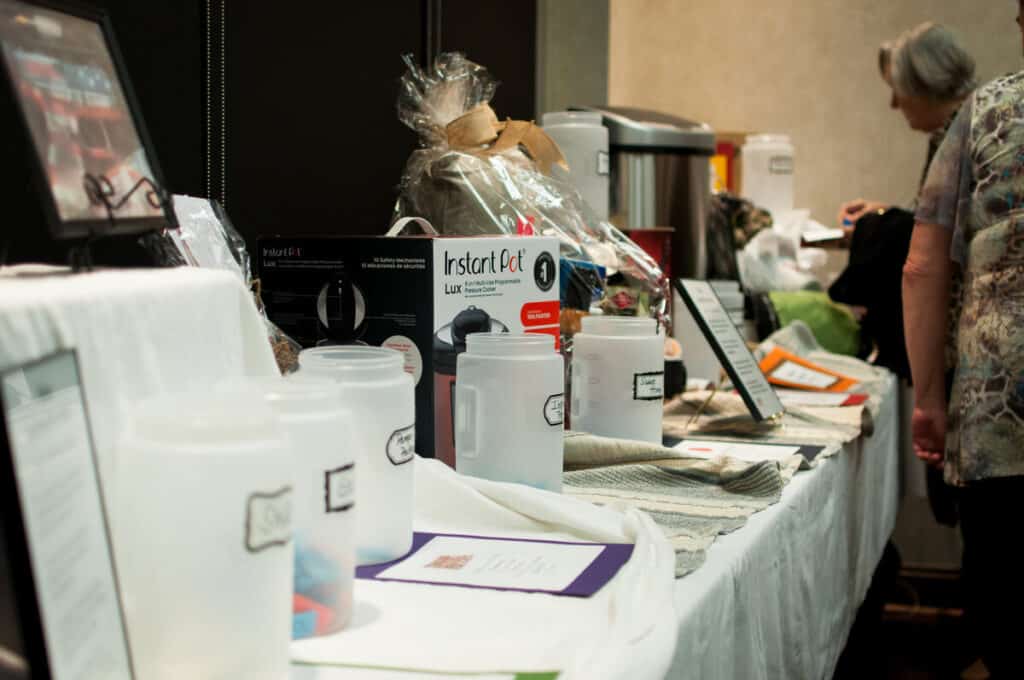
819,235
827,399
495,563
46,453
786,369
795,374
528,565
749,452
649,386
311,672
730,348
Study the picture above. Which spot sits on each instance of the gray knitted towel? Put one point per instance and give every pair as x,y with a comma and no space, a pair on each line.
693,500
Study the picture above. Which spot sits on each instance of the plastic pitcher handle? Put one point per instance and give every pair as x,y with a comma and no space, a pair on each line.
575,380
399,226
467,406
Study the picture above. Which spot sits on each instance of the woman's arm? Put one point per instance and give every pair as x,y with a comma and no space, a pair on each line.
926,284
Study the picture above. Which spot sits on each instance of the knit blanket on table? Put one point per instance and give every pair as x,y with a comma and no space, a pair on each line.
691,500
695,500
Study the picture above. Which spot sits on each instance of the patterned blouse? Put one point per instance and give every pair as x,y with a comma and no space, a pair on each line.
975,187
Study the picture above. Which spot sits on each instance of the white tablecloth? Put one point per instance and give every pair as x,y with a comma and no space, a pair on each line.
773,600
776,599
137,332
626,631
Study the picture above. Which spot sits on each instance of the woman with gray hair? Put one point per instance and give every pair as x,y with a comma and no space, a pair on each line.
971,217
930,74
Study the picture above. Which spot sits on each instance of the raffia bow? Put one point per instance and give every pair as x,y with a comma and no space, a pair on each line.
480,131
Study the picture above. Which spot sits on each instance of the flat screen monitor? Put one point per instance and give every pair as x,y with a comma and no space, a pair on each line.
70,87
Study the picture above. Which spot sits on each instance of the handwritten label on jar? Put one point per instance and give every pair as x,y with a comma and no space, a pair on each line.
402,445
553,409
339,488
649,386
268,519
780,165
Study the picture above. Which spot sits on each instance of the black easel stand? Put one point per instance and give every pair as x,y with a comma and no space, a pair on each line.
101,192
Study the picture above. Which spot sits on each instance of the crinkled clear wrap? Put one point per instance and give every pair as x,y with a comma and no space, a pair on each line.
478,191
206,238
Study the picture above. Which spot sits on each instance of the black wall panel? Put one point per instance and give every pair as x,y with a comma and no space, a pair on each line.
305,138
162,44
313,142
502,36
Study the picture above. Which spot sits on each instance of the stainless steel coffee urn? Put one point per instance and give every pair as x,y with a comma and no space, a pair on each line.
661,177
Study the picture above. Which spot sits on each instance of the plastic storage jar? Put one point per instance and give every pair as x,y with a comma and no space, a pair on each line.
204,535
583,140
768,172
618,375
508,409
319,432
378,393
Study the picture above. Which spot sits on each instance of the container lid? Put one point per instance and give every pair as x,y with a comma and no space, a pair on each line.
235,413
570,118
509,344
618,326
301,394
767,138
352,361
643,130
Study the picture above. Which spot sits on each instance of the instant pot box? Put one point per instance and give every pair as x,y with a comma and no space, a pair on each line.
419,295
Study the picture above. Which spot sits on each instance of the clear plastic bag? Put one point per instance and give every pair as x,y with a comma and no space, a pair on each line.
206,238
768,263
475,175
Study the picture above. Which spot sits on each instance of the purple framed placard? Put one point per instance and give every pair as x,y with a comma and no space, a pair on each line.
599,572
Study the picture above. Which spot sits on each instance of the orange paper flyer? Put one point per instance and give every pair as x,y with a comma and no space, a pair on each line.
786,369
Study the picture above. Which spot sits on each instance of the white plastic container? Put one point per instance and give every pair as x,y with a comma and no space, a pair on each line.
323,456
583,140
768,172
203,537
618,377
378,393
508,409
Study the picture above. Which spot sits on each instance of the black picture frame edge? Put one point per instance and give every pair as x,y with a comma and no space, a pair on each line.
59,229
720,354
33,635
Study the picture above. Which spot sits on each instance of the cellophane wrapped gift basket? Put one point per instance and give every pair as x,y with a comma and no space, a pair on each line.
477,175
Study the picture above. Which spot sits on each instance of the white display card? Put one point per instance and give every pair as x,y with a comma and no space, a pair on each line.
489,563
801,376
730,348
63,523
753,453
304,672
802,398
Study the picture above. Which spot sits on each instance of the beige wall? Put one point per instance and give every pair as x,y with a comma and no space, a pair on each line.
803,67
